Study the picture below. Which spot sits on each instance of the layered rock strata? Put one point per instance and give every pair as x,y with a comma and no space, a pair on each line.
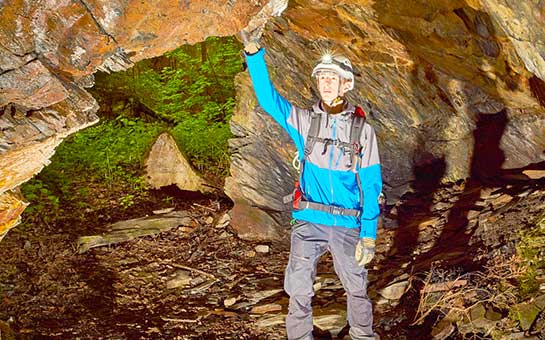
454,84
49,51
459,84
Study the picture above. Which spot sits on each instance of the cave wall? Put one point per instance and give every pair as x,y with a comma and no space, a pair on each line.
458,82
49,50
454,83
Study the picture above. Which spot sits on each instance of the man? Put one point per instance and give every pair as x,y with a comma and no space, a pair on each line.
335,203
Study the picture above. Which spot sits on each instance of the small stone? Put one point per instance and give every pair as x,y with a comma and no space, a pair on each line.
477,312
250,253
262,248
273,307
223,221
163,211
442,330
525,314
473,214
27,245
224,235
394,291
542,287
209,220
492,315
186,229
182,279
534,174
502,200
229,302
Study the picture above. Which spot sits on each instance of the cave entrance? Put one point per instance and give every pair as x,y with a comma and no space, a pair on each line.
188,93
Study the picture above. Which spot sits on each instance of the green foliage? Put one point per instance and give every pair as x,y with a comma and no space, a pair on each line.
111,153
190,88
107,151
531,249
205,144
127,201
189,92
40,195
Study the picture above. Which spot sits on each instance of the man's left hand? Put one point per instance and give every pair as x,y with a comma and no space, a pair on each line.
251,43
365,251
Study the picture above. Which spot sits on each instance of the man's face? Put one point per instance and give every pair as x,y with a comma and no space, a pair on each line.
328,86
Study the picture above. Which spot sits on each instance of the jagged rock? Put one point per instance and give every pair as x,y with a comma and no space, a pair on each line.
262,248
460,81
395,290
11,208
264,309
163,211
123,231
166,165
49,51
534,174
330,320
270,321
182,279
432,78
502,200
44,90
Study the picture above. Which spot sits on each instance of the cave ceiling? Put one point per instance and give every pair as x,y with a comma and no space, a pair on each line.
456,82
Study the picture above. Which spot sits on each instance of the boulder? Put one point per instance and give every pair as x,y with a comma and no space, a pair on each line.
166,165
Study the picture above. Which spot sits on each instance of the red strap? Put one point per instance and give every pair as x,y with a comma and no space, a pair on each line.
297,195
359,112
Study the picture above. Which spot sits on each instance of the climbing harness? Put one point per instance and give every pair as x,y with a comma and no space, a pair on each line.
354,147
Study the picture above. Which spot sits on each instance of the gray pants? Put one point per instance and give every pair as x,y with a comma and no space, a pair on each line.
309,241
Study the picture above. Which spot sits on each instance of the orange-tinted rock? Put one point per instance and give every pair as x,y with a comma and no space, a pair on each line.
49,50
11,207
44,90
427,72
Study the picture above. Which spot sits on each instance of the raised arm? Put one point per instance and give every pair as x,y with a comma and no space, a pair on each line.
267,96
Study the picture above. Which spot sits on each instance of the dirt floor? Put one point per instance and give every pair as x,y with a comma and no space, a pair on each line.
202,282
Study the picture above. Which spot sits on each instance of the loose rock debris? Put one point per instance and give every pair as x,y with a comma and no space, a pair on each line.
199,281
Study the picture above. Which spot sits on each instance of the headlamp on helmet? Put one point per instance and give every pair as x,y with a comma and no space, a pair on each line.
335,63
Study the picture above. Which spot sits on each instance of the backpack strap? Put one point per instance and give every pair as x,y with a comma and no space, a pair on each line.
356,129
313,133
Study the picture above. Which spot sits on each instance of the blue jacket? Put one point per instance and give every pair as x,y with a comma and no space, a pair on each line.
327,177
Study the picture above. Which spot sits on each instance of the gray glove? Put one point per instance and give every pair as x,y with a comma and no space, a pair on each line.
251,45
365,251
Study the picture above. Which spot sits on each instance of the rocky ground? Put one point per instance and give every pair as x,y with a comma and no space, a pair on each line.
443,250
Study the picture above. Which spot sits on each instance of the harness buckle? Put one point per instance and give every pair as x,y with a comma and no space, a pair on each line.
337,210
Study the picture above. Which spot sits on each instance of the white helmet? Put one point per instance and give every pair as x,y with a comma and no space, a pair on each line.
338,64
